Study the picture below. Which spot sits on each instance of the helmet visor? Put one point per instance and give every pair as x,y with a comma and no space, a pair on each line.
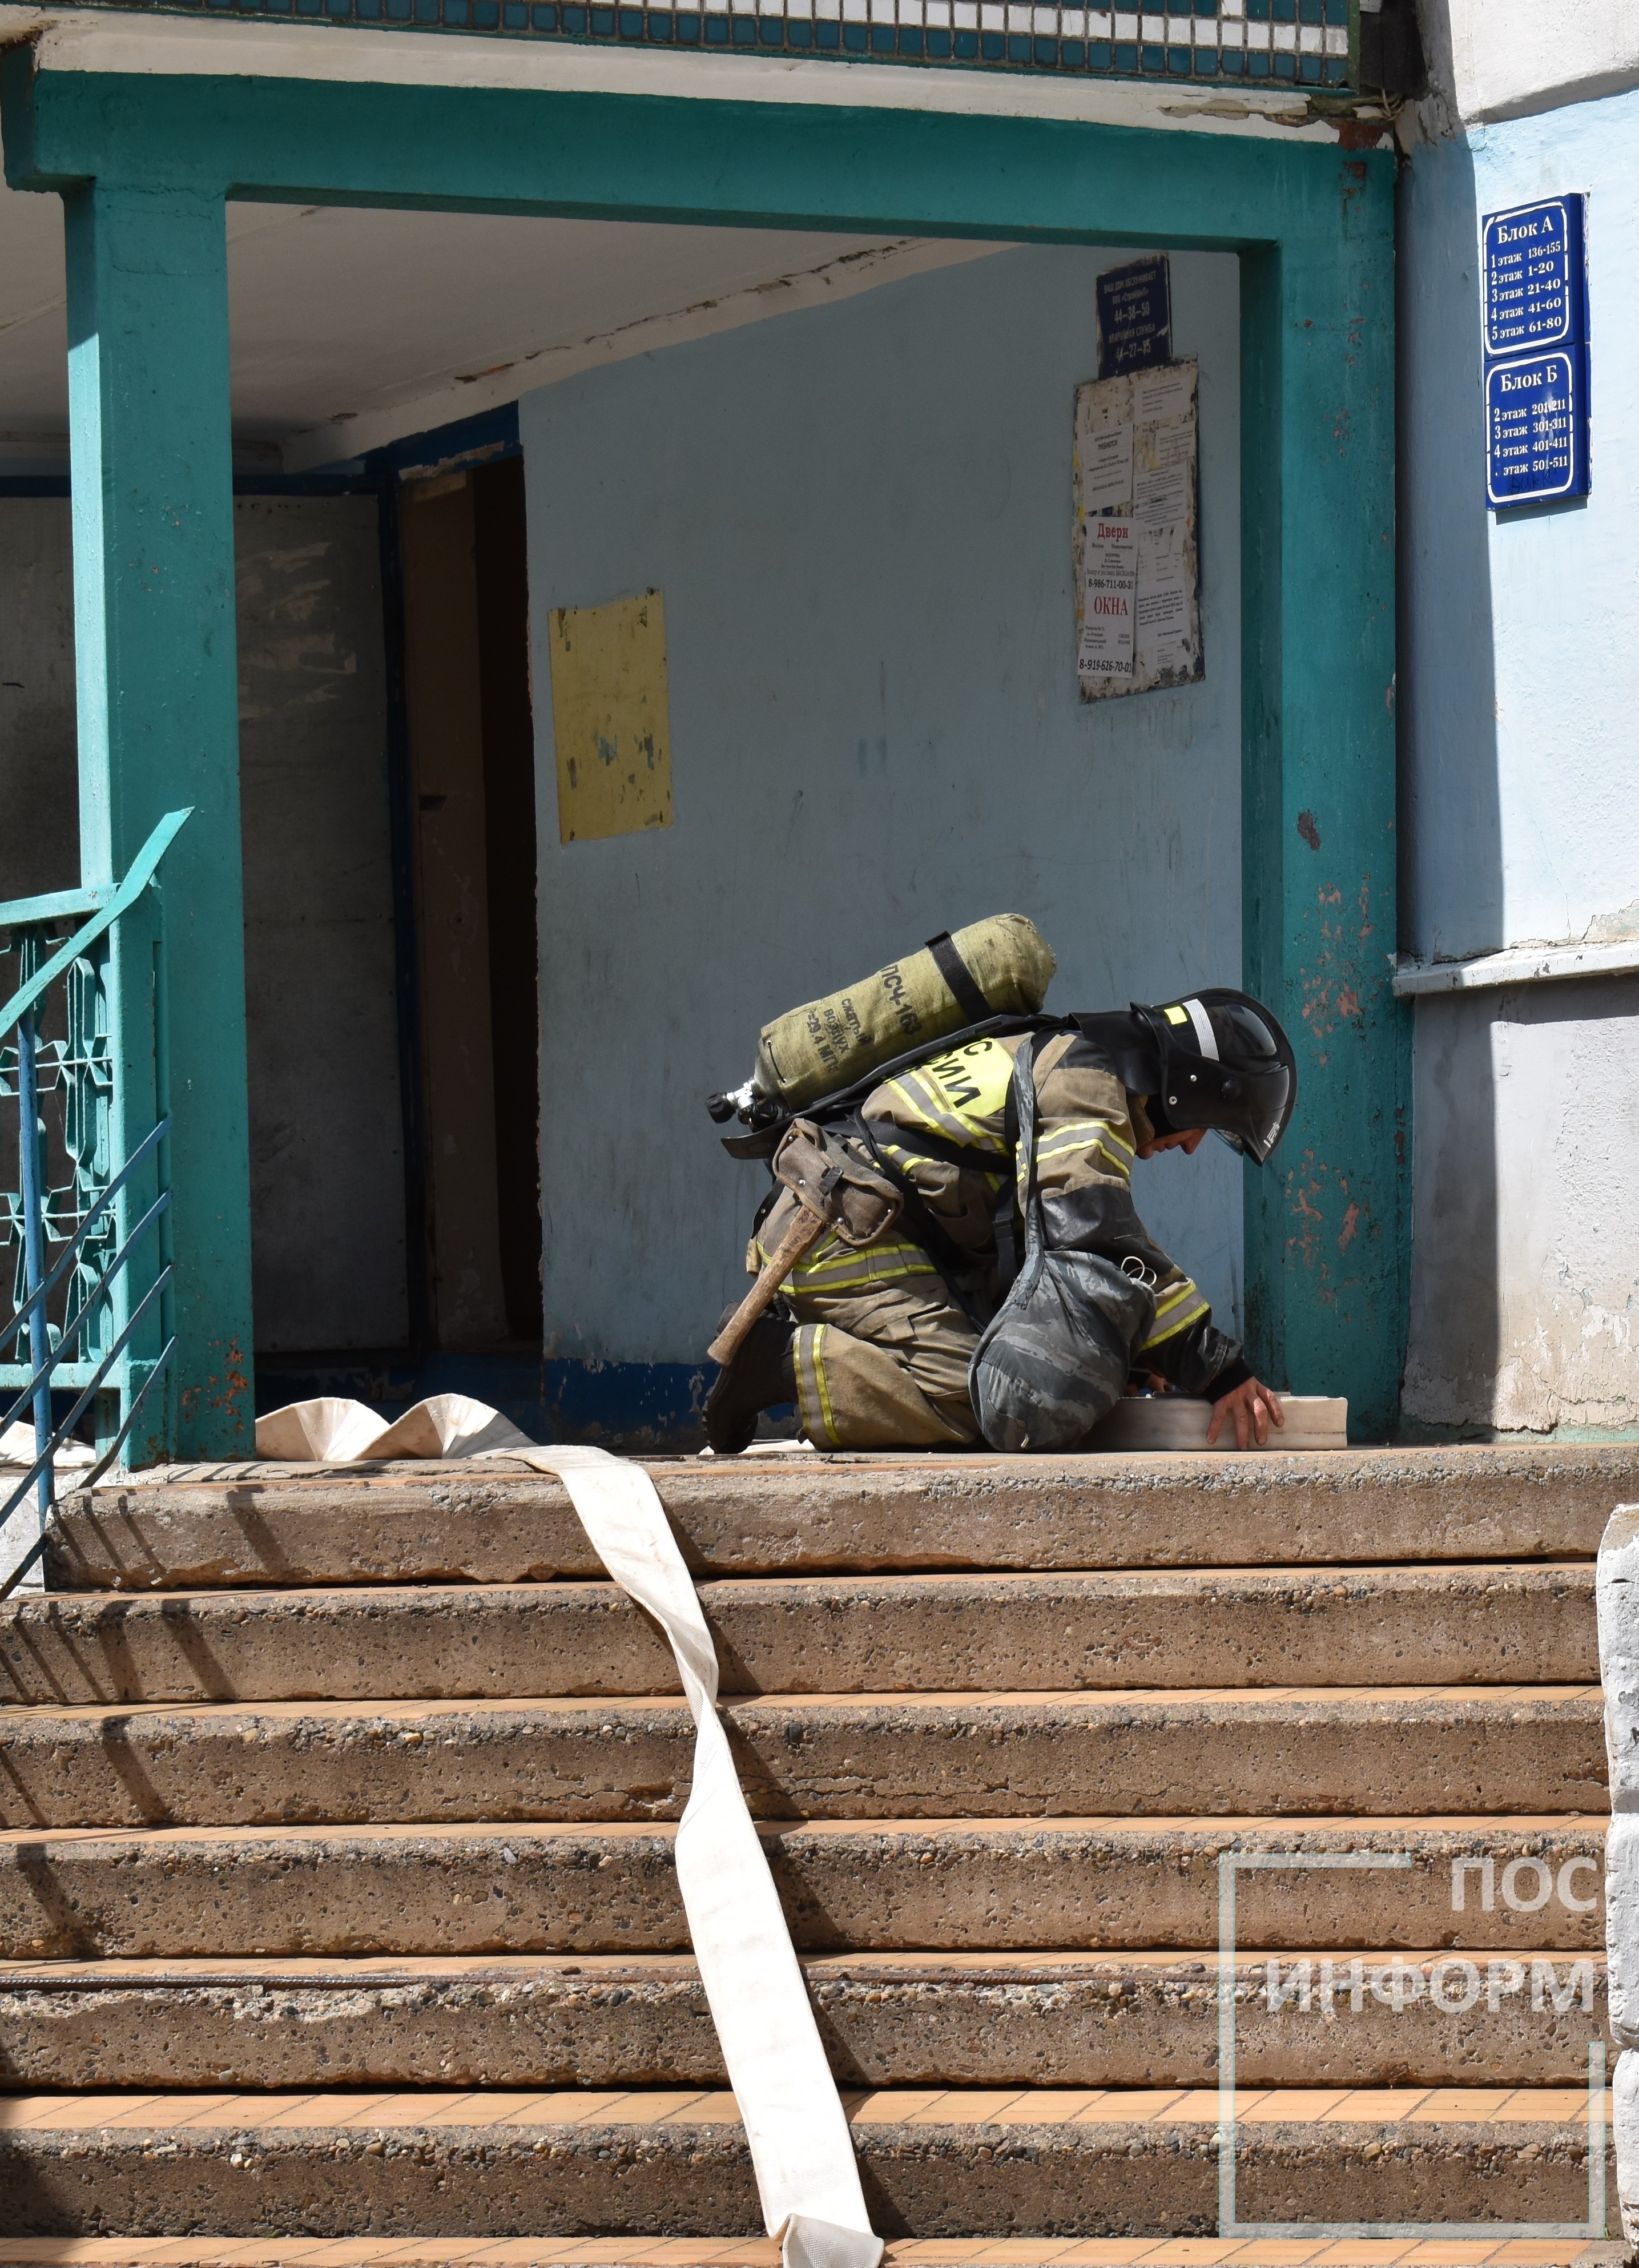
1262,1120
1227,1066
1257,1055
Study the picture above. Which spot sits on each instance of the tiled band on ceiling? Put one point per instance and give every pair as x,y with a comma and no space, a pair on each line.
1297,42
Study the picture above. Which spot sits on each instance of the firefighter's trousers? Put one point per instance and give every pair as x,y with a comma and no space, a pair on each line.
882,1349
885,1368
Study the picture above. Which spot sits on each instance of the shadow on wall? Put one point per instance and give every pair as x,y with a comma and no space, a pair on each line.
1451,862
1535,1333
38,779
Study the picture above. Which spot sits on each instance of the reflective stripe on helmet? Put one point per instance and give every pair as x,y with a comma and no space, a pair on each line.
1204,1034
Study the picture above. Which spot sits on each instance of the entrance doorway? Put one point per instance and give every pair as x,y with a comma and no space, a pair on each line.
462,554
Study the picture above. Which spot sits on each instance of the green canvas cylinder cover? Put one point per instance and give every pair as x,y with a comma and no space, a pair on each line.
831,1043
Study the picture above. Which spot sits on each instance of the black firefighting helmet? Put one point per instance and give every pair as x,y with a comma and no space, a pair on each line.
1225,1063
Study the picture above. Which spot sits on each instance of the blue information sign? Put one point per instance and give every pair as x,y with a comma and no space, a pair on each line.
1536,277
1535,294
1537,427
1134,316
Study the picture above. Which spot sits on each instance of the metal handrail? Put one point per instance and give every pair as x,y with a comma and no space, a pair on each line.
50,1285
97,1469
71,1329
30,917
124,898
67,1427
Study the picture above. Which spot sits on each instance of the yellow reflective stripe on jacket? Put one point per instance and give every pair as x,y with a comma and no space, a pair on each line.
1092,1135
1179,1306
833,1266
860,1271
961,1097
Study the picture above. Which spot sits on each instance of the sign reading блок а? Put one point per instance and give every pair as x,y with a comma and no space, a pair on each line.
1534,288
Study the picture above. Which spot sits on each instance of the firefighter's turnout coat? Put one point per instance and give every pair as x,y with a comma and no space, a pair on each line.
886,1332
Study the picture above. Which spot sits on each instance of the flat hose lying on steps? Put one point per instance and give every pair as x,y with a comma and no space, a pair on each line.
806,2174
801,2150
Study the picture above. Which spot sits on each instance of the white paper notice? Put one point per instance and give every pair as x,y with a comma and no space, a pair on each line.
1163,474
1107,469
1136,556
1108,602
1103,450
1164,645
1166,393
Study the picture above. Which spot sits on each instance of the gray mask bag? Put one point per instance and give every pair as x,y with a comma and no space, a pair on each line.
1056,1356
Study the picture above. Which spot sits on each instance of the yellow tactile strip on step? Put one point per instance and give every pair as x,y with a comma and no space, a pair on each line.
702,2252
878,2107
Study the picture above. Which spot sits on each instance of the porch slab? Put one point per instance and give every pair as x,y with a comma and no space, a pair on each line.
481,1523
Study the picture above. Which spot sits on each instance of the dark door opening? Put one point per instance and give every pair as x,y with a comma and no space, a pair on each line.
501,558
462,543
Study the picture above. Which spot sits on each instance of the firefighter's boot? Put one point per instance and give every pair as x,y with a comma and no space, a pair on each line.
761,1375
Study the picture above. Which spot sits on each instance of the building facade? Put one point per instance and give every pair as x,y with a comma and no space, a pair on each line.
347,360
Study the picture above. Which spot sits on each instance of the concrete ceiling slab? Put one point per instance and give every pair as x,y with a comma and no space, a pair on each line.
351,328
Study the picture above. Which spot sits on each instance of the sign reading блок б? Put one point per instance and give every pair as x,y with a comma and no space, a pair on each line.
1535,290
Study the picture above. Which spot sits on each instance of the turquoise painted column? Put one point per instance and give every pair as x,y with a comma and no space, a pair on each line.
1327,1221
152,464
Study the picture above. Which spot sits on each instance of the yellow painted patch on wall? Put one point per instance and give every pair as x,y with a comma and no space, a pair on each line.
610,718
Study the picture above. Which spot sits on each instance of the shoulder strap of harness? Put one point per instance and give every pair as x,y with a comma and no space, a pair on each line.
829,1109
962,1277
959,979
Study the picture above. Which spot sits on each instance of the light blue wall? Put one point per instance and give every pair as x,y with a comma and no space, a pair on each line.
859,518
1520,691
1519,666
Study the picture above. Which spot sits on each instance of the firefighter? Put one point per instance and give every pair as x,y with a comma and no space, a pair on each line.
877,1344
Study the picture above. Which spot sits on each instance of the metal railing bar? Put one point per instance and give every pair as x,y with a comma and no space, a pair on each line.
48,1369
137,880
73,1418
96,1472
72,1328
14,1376
30,1173
57,905
71,1249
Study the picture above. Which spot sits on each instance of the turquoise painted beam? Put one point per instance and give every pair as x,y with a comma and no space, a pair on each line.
151,466
638,158
1326,1229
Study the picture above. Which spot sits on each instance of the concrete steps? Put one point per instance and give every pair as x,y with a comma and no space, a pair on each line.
1122,2019
887,1885
935,2160
1490,1623
762,2252
1303,1751
870,1515
336,1893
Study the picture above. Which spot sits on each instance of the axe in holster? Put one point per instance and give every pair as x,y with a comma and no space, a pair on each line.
834,1189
